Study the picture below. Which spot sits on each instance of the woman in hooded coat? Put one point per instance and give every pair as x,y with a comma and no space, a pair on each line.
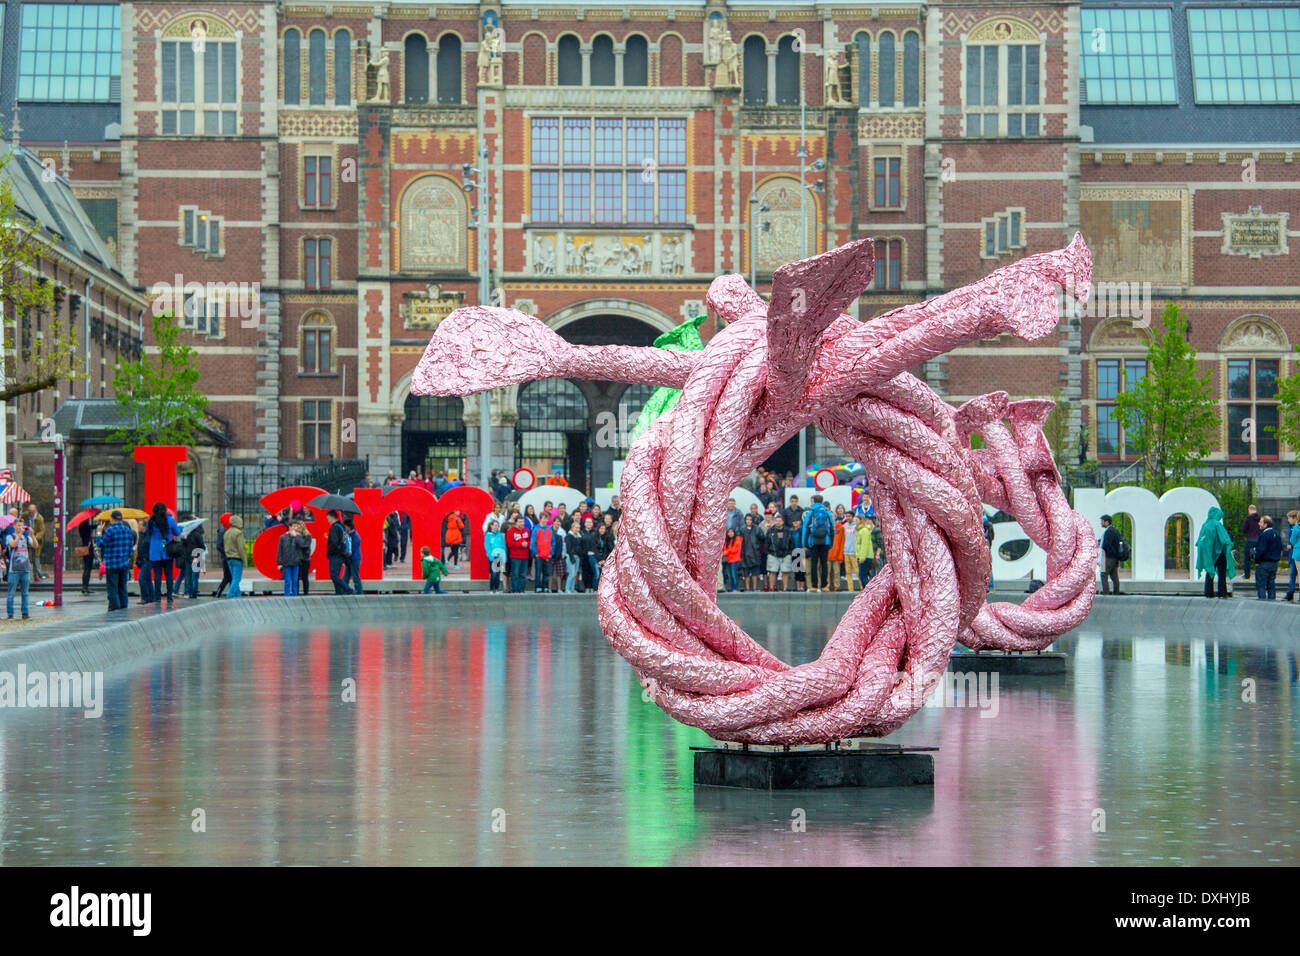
1214,554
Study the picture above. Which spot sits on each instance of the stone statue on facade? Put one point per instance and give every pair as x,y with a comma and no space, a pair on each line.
377,79
727,72
834,96
489,57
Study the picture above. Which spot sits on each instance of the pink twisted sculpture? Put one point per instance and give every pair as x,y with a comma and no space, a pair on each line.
775,368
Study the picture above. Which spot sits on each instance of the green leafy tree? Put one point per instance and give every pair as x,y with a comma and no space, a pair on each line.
1288,408
40,361
1169,416
160,392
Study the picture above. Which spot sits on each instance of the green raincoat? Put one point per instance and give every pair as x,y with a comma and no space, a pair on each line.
684,338
1214,541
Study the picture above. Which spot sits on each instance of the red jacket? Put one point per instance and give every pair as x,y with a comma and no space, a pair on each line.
518,543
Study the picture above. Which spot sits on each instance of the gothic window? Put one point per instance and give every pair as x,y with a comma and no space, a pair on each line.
292,67
864,68
636,62
568,55
343,68
415,63
449,68
911,69
602,61
885,75
316,67
755,70
788,64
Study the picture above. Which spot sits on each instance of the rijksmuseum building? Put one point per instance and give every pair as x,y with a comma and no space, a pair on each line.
310,159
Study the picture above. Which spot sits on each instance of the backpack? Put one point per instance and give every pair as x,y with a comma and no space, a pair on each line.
1122,550
819,526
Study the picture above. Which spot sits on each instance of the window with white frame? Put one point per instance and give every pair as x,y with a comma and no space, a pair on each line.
111,483
185,492
199,79
1003,233
1003,90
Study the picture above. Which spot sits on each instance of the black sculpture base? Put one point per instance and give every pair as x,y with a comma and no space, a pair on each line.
814,767
1025,665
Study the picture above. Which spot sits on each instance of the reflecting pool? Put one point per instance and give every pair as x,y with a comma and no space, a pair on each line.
526,740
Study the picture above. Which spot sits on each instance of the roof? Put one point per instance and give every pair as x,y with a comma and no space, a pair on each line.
1185,120
46,198
93,418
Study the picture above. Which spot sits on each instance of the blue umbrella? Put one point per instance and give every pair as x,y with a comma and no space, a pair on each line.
101,501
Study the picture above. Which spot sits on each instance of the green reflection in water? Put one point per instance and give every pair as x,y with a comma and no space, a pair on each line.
659,781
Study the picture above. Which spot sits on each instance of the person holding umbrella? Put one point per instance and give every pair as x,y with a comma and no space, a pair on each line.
86,552
337,549
116,542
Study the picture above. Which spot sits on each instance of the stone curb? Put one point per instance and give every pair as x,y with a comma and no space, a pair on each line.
119,639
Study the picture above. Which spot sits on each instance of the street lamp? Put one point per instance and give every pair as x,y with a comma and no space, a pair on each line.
755,209
470,184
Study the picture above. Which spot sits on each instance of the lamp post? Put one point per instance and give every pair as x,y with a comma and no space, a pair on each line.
484,296
818,187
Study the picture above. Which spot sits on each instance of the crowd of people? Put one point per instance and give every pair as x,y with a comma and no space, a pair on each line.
773,548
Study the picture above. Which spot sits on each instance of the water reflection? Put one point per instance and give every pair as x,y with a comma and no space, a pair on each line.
527,742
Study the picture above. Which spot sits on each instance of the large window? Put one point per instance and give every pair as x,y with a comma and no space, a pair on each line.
1245,54
1002,96
317,258
70,52
198,88
1127,56
889,264
608,170
1252,409
317,420
864,68
1110,382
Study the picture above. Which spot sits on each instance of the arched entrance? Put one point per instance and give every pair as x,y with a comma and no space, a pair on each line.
553,432
433,434
604,436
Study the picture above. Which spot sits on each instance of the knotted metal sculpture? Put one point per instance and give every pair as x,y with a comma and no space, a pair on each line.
775,368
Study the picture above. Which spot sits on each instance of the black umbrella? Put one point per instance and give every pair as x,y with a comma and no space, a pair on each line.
335,503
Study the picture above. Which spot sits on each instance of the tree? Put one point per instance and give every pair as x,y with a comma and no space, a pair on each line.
42,360
1288,408
1170,415
1057,428
160,392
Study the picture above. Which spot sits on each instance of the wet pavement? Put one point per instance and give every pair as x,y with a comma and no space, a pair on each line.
526,740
